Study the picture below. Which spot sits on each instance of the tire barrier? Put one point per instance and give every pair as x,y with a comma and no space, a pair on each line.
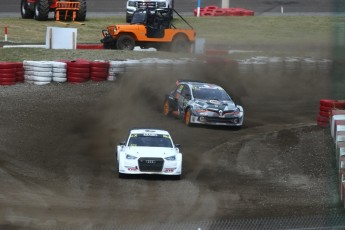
99,70
116,68
337,118
10,73
327,110
216,11
287,65
80,70
38,72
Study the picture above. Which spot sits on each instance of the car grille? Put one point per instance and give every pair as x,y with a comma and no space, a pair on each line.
221,120
150,164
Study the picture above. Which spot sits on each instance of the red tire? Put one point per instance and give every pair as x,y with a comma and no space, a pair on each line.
323,119
100,64
208,13
71,69
8,75
339,104
12,70
76,80
7,80
325,108
99,75
78,75
210,8
324,114
8,65
99,69
220,12
7,83
98,79
78,64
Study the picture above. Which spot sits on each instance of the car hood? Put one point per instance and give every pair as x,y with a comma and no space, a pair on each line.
151,151
215,104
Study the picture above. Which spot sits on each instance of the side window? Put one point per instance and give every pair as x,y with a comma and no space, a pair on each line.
185,91
178,91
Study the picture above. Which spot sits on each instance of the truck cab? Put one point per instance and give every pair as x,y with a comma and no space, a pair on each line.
133,5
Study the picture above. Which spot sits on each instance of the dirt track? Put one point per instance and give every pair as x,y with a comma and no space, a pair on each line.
58,142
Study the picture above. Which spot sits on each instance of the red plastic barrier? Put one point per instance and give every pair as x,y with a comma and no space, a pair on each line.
220,12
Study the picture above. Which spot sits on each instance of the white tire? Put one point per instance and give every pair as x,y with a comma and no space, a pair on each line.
59,79
60,75
59,70
41,64
29,81
29,77
41,82
44,79
29,72
61,65
111,78
43,74
42,69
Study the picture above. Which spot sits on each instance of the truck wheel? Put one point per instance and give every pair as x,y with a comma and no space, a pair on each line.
180,44
81,13
125,42
25,11
41,10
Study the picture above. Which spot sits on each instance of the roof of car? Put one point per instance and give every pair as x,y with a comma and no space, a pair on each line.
198,83
153,131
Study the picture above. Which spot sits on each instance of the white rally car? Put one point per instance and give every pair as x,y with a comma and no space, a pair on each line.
149,151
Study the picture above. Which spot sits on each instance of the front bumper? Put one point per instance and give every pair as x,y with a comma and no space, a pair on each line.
172,168
213,120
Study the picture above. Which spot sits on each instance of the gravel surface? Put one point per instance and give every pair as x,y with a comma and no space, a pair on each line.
58,143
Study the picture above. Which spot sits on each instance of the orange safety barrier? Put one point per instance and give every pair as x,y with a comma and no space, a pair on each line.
67,6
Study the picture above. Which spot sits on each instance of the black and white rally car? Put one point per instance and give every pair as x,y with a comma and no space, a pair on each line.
198,102
149,151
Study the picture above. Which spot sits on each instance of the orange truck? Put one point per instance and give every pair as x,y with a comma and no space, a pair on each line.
150,27
39,9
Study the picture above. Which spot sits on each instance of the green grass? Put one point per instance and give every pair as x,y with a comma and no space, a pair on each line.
288,35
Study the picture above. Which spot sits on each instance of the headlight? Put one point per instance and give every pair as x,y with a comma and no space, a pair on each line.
130,157
172,158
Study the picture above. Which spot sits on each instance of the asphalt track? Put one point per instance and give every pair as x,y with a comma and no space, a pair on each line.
10,8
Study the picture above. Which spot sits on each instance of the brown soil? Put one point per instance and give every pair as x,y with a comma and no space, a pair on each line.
58,143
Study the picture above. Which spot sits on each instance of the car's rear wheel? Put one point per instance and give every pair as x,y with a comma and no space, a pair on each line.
166,108
125,42
180,44
187,117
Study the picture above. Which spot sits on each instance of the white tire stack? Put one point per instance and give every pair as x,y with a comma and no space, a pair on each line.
59,71
116,68
38,72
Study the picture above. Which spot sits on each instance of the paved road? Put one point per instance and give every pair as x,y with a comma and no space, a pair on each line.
259,6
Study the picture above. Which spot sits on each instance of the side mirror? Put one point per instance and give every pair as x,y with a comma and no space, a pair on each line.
122,143
177,146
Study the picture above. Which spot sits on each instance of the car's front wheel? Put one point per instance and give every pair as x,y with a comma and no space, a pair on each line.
125,42
187,117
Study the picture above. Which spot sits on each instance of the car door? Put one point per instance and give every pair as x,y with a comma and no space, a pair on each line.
183,100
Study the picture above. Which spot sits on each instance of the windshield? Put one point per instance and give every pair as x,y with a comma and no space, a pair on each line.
150,140
139,17
210,94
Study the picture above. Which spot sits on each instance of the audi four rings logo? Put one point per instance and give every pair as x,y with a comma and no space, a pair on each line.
150,161
220,112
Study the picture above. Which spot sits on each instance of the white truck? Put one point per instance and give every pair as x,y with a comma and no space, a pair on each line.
149,151
133,5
